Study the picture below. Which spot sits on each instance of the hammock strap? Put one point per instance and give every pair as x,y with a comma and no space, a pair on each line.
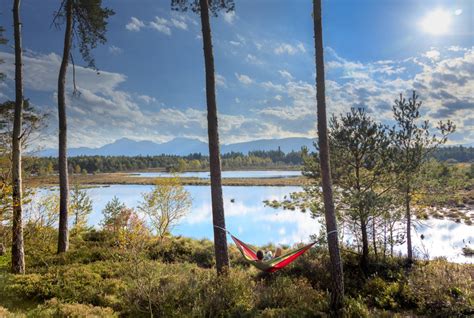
221,228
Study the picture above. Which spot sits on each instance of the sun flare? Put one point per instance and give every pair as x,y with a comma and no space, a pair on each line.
437,22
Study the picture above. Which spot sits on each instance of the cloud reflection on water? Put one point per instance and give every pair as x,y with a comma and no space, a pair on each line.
256,224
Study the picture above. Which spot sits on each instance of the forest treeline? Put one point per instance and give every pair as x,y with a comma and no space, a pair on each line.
197,161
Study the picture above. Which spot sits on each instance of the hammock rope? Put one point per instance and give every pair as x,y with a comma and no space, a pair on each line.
272,265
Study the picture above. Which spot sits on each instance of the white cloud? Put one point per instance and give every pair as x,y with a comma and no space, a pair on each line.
455,48
235,43
161,25
286,48
285,74
229,17
252,59
114,50
43,71
300,47
134,25
244,79
271,86
458,12
105,111
220,80
180,24
433,54
147,99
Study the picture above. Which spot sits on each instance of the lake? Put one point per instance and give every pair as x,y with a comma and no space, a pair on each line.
265,174
251,221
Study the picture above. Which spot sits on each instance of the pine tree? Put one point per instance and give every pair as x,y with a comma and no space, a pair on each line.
86,25
203,7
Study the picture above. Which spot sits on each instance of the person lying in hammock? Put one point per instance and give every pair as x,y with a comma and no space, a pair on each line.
268,255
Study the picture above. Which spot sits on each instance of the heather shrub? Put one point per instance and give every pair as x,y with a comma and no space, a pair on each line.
295,295
97,284
442,289
55,308
183,290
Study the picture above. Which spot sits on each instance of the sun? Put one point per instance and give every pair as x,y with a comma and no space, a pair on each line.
436,22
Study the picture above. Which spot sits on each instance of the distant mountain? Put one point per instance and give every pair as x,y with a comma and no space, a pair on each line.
181,147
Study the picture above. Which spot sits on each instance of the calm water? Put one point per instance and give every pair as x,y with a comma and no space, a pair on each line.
250,220
225,174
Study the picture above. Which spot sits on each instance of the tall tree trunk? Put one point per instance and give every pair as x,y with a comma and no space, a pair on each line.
337,292
218,217
18,254
365,246
391,240
408,217
63,240
385,240
374,238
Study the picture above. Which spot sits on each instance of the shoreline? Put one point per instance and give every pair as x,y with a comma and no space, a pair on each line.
131,179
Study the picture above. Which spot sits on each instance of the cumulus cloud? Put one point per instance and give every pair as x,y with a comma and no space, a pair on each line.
244,79
285,74
272,86
444,83
252,59
147,99
160,24
229,17
277,107
286,48
179,23
220,80
114,50
135,24
433,54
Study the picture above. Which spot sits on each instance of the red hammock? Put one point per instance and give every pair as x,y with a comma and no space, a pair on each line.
273,264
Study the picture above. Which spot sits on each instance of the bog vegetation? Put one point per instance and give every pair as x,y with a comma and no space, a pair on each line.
123,270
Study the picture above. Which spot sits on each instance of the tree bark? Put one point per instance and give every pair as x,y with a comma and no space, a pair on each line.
63,240
365,246
374,238
408,217
18,254
218,217
337,290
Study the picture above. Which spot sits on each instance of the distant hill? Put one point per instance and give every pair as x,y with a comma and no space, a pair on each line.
181,147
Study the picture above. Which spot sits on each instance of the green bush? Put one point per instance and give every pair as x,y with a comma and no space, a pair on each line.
288,294
95,284
182,290
382,294
55,308
441,289
180,249
355,308
226,296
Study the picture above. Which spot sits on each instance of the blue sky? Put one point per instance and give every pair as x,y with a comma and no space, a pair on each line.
151,81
